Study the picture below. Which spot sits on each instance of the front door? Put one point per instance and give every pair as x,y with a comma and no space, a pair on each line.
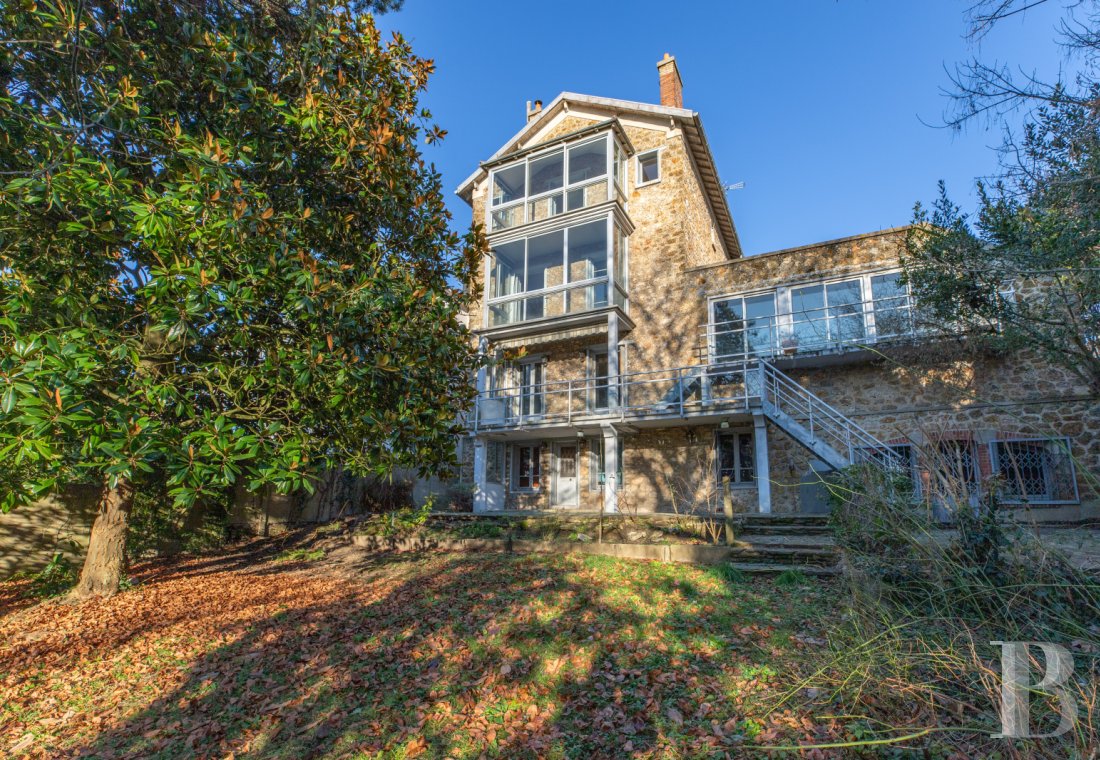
565,486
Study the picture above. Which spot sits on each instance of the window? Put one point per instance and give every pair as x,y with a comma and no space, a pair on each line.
597,467
528,468
735,458
744,327
599,396
545,185
649,167
824,315
595,464
545,266
906,458
618,168
954,470
531,389
494,462
1035,471
891,306
819,316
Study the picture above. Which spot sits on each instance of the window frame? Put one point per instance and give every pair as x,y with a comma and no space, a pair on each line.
712,338
735,434
912,463
784,317
495,475
638,167
536,468
996,469
614,225
564,148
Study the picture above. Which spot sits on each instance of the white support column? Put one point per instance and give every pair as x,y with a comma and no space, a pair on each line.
613,360
481,496
482,371
763,471
610,469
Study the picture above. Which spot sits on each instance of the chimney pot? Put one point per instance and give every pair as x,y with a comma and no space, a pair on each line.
533,112
672,88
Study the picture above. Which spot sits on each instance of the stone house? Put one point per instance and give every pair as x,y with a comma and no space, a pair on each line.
637,358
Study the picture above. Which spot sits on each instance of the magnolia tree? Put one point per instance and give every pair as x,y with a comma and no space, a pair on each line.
223,258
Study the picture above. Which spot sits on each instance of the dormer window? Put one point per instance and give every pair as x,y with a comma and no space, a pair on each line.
544,185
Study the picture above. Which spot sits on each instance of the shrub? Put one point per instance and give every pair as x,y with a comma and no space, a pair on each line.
55,579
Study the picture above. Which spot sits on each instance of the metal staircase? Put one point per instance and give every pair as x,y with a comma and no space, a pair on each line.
825,432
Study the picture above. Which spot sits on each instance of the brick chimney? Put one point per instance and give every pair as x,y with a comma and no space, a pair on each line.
672,89
533,112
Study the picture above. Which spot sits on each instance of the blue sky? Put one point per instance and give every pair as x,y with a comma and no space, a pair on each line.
817,105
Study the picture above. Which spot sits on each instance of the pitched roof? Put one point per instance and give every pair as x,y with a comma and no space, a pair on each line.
693,131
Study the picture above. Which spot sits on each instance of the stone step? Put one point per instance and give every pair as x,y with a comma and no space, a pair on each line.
775,568
783,519
785,554
793,531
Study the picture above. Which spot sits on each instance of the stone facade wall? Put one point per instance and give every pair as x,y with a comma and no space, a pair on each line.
920,392
673,231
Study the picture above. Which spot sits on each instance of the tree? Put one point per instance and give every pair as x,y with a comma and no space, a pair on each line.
1025,272
222,255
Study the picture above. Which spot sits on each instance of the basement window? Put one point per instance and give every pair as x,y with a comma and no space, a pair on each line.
1035,471
649,167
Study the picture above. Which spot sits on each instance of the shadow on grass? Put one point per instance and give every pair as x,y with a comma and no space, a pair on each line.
510,656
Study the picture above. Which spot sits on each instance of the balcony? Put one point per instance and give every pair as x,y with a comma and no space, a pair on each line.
811,334
643,398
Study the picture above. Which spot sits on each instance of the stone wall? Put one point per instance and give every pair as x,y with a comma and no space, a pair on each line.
922,392
31,535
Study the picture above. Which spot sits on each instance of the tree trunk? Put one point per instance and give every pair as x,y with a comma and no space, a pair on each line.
105,564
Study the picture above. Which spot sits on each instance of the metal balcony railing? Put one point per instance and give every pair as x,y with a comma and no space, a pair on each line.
685,392
677,392
827,328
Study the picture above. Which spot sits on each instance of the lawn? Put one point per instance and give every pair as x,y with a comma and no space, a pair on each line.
256,654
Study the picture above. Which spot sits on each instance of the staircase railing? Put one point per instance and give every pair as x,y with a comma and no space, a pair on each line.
823,422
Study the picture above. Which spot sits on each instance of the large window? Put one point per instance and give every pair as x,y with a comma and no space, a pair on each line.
564,179
744,326
1035,471
560,272
735,458
891,306
819,316
528,476
531,390
823,315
